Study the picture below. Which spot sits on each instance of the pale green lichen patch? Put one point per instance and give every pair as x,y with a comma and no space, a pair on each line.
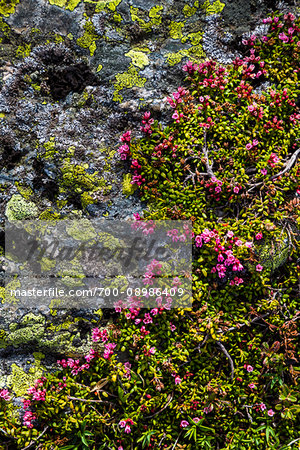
19,381
81,230
138,58
8,7
127,80
20,209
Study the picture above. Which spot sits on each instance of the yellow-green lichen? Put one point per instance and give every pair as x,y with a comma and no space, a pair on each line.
117,18
86,199
213,8
89,37
176,30
194,38
138,58
24,190
81,230
100,67
8,7
189,11
102,4
20,209
72,4
128,188
60,3
19,381
127,80
76,178
154,17
49,214
4,30
47,264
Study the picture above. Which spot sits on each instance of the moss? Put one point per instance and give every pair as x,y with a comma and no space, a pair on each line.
127,80
89,37
7,8
138,58
128,188
213,8
19,209
176,30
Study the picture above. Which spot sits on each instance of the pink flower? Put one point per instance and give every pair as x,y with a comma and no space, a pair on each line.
259,236
283,37
4,393
173,327
249,368
196,419
127,429
251,386
230,234
249,146
184,424
175,115
259,268
236,190
262,407
152,350
238,243
271,412
264,171
177,379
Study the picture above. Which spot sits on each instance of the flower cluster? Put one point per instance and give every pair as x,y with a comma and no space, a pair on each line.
147,123
125,423
4,394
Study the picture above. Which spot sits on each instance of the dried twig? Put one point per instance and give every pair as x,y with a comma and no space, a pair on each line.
161,410
288,166
85,400
35,440
221,346
207,163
